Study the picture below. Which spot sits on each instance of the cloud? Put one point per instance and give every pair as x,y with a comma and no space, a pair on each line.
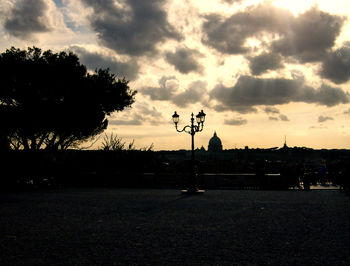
229,35
28,17
150,114
283,118
168,85
329,96
132,27
264,62
235,121
59,3
308,37
224,37
194,93
136,120
271,110
336,65
318,127
231,1
5,10
240,109
324,118
141,114
185,60
249,92
168,91
93,60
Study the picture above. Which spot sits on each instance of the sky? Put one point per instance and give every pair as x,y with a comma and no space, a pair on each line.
260,70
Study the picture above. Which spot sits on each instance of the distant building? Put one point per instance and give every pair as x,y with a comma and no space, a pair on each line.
215,144
285,147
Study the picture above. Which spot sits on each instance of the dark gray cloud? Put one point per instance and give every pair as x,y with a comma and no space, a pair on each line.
240,109
283,117
235,121
324,118
329,96
132,27
228,35
336,65
194,93
249,92
168,91
264,62
308,36
231,1
224,37
271,110
185,60
129,69
167,87
27,17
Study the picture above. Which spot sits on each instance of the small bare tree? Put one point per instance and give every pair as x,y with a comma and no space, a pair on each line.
113,143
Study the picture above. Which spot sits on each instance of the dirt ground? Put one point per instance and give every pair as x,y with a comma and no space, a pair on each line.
162,227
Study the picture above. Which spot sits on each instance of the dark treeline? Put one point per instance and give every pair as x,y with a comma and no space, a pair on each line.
73,168
135,168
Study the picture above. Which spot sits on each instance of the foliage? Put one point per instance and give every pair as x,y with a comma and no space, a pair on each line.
113,143
49,100
149,148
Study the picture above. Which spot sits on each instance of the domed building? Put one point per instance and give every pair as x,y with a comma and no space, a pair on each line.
215,144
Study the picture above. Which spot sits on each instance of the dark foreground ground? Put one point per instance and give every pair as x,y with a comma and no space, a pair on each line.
161,227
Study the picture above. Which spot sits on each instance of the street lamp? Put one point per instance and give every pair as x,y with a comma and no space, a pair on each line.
192,130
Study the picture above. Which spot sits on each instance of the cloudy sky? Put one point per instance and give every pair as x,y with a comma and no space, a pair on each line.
260,70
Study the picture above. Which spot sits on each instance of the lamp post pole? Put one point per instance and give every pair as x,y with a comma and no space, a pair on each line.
192,130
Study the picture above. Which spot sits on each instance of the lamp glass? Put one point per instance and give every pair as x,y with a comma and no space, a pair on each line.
202,116
198,118
176,118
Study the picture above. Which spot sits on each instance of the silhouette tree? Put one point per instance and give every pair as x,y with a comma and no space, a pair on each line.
113,143
49,100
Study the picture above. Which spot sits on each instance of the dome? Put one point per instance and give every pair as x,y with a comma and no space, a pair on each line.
215,143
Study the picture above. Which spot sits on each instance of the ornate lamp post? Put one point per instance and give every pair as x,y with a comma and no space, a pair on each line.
192,130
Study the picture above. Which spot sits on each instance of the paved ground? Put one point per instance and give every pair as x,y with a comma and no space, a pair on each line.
161,227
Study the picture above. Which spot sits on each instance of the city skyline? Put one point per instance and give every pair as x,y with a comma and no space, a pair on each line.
260,70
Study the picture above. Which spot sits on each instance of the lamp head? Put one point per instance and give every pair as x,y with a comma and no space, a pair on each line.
176,118
202,116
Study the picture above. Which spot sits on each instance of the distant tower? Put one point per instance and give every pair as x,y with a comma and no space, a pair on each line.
214,144
285,142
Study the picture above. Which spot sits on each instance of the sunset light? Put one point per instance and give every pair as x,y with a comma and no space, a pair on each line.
261,69
174,132
295,6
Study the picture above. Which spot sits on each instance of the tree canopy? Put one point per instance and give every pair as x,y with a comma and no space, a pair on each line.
50,101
